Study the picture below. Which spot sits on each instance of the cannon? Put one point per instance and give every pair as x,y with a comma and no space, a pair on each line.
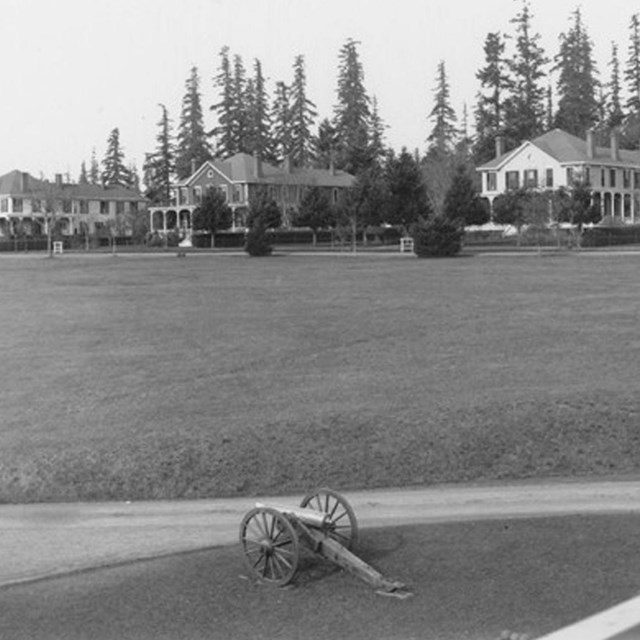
272,537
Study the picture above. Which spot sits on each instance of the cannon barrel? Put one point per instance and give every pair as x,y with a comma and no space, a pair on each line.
310,517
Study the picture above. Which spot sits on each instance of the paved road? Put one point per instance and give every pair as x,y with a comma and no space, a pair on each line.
52,539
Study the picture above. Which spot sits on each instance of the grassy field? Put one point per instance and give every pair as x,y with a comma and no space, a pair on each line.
156,377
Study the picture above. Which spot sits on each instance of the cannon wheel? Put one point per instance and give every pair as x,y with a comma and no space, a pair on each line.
343,526
270,544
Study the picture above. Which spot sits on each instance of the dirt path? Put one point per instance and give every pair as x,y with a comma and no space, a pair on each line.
50,539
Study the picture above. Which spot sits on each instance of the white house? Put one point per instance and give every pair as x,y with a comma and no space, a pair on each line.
557,159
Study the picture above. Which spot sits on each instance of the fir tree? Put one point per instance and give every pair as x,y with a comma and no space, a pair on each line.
615,115
83,178
524,116
114,172
133,180
444,133
303,114
94,168
258,118
377,148
494,85
407,197
281,116
462,203
324,145
160,165
192,146
351,113
632,71
549,111
577,84
240,118
224,132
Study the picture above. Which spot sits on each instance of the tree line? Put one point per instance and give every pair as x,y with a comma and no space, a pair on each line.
515,100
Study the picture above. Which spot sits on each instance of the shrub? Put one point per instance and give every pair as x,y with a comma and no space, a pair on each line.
257,243
437,237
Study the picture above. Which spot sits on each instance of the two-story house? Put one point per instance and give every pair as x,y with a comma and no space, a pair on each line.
557,159
28,204
238,178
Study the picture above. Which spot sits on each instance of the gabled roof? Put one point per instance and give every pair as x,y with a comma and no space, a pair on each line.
22,184
242,167
567,148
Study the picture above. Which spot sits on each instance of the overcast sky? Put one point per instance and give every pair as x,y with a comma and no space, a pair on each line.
75,69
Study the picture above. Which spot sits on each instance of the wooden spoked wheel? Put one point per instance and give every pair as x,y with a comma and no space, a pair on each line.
342,525
270,544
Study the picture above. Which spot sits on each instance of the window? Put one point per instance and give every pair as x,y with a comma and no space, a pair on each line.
492,181
17,205
626,179
570,176
549,178
612,177
66,206
104,207
4,205
603,177
587,176
237,192
197,194
119,207
36,206
636,179
223,190
335,195
84,206
133,206
513,179
531,178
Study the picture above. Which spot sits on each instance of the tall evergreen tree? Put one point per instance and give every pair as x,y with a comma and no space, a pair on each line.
444,133
352,112
114,171
632,70
615,114
159,166
281,116
94,169
192,145
524,116
490,105
577,84
377,148
324,145
240,117
303,114
407,196
83,178
258,118
224,132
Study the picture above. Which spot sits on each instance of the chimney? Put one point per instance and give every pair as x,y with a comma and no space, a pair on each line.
499,146
58,179
193,166
287,164
591,144
257,164
615,149
24,182
332,166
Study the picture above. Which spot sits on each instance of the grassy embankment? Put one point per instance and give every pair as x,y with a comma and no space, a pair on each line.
153,377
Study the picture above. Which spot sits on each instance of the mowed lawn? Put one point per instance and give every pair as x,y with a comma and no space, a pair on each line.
159,377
